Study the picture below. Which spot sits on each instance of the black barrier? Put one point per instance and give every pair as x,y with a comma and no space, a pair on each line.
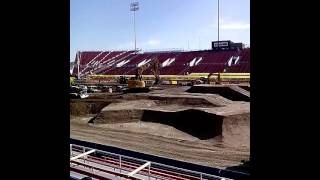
171,162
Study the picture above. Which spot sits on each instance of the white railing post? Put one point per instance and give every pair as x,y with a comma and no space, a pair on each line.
84,150
149,171
139,169
82,155
120,162
70,149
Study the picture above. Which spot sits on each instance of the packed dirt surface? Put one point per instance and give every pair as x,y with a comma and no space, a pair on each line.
232,92
206,129
214,154
156,129
245,87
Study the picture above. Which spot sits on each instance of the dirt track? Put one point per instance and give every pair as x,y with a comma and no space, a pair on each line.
202,152
167,123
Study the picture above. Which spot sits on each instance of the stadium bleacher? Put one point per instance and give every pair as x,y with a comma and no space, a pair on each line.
172,62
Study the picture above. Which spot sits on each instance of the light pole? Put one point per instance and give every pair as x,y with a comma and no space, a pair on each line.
218,25
78,64
134,7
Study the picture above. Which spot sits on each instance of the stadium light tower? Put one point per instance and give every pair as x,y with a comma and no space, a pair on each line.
134,7
218,25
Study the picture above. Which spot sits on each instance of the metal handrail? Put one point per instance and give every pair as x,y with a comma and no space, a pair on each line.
154,163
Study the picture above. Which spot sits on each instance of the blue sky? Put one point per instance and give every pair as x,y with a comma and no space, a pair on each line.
160,24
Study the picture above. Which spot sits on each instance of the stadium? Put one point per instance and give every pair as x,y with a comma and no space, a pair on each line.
164,114
228,58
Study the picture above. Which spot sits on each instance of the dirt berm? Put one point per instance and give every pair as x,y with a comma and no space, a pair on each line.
201,123
79,107
231,92
206,129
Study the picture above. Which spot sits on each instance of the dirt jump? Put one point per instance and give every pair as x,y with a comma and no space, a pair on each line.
204,128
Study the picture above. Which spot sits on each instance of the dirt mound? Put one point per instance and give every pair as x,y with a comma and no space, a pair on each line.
196,127
155,129
184,99
232,92
118,116
197,123
124,112
81,119
233,129
78,108
236,130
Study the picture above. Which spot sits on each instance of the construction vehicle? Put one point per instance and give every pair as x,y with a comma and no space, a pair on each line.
215,80
72,80
78,92
123,80
156,71
136,84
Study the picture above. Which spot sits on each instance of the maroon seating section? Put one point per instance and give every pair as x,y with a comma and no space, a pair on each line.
211,62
